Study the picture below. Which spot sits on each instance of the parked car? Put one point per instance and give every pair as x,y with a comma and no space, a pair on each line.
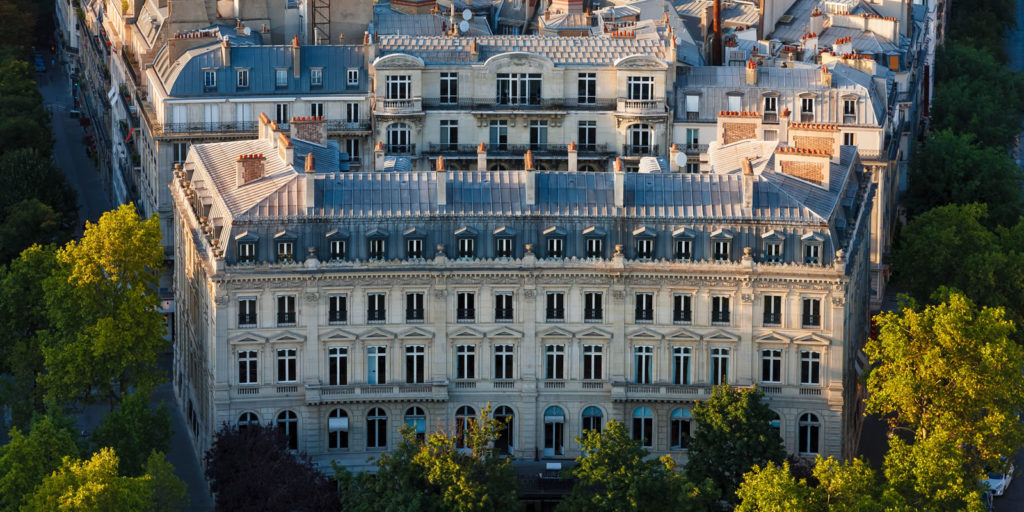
40,65
998,482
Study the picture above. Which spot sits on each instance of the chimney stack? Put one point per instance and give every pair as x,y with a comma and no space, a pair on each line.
528,160
296,68
826,77
285,150
440,163
619,183
751,72
716,37
249,167
784,127
531,186
310,182
308,128
748,184
481,157
574,163
225,53
441,182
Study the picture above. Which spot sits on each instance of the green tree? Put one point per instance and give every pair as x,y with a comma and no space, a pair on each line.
733,435
28,173
167,492
840,487
26,460
26,223
399,484
773,488
615,474
106,332
134,431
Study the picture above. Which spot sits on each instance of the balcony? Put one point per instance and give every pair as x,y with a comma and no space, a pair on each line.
400,149
247,320
770,118
639,150
337,317
719,318
503,315
644,316
772,318
375,316
399,106
695,149
518,150
414,315
627,391
654,106
451,149
593,315
338,125
286,319
811,320
683,317
461,103
555,314
433,392
465,315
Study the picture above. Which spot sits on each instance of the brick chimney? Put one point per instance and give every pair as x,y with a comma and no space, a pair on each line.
296,64
225,53
249,167
309,128
439,166
285,150
751,72
826,77
716,36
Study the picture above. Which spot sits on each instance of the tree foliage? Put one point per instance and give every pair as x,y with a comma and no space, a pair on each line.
134,431
399,484
733,435
252,470
27,459
835,486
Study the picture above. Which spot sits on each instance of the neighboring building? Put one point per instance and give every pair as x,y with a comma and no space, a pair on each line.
340,306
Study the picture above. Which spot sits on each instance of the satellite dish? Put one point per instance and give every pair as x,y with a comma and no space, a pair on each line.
248,31
467,14
681,159
464,26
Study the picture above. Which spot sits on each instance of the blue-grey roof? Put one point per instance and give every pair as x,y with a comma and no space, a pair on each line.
327,158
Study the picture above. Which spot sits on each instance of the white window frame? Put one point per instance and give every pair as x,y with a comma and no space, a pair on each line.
287,363
337,366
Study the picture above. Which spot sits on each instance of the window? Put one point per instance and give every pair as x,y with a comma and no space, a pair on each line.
638,140
681,365
467,248
554,368
644,311
503,247
180,152
810,367
337,366
288,423
735,102
595,248
681,308
211,115
281,77
771,365
812,313
378,249
643,426
679,429
771,109
592,362
592,419
770,135
337,429
414,248
352,77
376,308
692,107
286,252
505,441
640,87
351,112
518,89
586,88
593,310
683,249
465,362
246,420
399,136
248,362
246,252
849,111
209,80
414,307
337,309
849,139
398,87
285,310
503,360
538,135
644,248
772,310
498,135
377,428
466,307
352,147
721,250
773,252
449,88
643,357
719,366
417,419
242,78
316,77
338,250
449,134
286,365
246,311
316,109
556,306
503,311
586,132
376,365
810,431
812,254
415,364
554,431
465,419
720,310
807,110
556,247
281,113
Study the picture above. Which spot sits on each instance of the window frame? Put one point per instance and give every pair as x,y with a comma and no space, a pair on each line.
376,307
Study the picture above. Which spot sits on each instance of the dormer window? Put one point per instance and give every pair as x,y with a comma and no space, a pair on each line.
849,111
806,110
735,102
692,107
352,77
771,109
414,248
246,252
466,237
644,243
285,252
812,248
773,241
554,242
242,78
682,244
504,238
209,80
721,244
337,245
316,77
281,77
376,242
594,241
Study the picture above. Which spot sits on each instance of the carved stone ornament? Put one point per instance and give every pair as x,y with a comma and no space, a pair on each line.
838,301
619,295
747,298
220,299
311,296
530,294
439,294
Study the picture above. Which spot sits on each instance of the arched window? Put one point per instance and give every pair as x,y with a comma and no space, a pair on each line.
592,419
288,422
399,137
776,423
465,417
247,419
638,140
679,428
554,429
810,432
497,167
505,442
643,426
417,419
337,429
377,428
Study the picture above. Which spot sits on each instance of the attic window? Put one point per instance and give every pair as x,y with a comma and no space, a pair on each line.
242,78
316,77
352,77
786,19
281,77
209,80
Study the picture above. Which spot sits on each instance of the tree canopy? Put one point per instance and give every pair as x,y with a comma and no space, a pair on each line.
28,459
850,486
134,431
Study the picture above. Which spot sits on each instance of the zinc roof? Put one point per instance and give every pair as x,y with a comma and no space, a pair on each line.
561,50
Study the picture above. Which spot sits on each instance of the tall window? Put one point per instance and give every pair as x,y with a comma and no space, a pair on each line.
377,428
773,252
242,78
503,311
285,310
586,88
286,365
554,362
352,148
771,365
246,252
467,247
316,78
286,251
398,87
554,431
337,309
280,77
179,152
414,307
466,310
692,107
644,311
376,308
465,362
680,365
209,80
638,140
415,364
644,248
556,247
518,89
643,361
807,110
721,250
414,248
399,136
417,419
288,423
592,419
538,135
592,362
378,249
849,139
643,426
849,111
337,429
640,87
316,109
503,360
352,77
679,429
810,432
505,441
593,309
735,102
812,312
586,132
503,247
338,250
246,311
376,364
248,362
449,88
771,108
772,310
246,420
465,419
555,306
812,254
719,366
449,134
720,310
351,112
681,309
810,367
498,131
595,247
683,249
337,366
281,111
